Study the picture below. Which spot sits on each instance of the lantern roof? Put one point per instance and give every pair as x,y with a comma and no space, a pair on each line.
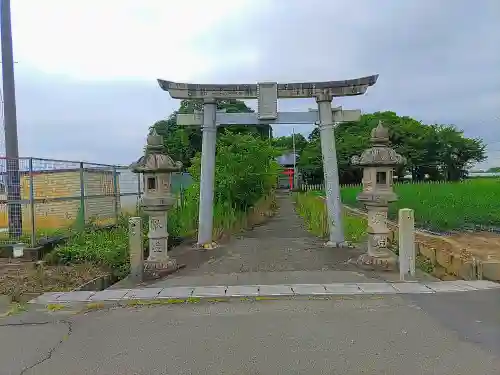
155,158
380,154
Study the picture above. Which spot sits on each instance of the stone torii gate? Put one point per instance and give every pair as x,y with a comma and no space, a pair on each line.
267,94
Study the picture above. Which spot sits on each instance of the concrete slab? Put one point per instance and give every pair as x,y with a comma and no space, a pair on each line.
297,277
176,292
81,296
46,298
308,289
275,290
481,284
109,295
209,291
342,289
411,288
376,288
450,286
203,280
491,270
242,291
146,293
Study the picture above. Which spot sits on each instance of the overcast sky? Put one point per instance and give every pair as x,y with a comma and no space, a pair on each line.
87,69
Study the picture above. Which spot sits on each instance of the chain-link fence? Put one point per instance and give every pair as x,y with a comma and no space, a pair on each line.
43,198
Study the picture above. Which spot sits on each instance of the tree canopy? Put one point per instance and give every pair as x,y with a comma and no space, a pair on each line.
286,143
440,151
183,142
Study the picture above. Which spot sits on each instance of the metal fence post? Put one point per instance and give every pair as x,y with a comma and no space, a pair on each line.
82,196
32,204
116,193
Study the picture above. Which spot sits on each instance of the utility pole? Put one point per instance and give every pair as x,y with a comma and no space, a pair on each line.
11,141
294,160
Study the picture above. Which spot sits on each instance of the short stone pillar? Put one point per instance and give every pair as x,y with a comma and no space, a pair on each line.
406,242
378,163
156,167
136,249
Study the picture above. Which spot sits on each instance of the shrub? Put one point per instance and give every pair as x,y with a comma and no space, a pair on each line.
245,170
104,248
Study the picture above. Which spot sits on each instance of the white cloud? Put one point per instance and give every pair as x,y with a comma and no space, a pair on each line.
116,39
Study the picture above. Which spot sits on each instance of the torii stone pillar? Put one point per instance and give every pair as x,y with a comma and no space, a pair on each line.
207,177
330,170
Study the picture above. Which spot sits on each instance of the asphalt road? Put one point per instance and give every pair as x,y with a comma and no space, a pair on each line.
454,333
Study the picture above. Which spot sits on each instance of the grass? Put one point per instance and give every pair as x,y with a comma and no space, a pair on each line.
444,206
109,249
26,236
313,210
14,309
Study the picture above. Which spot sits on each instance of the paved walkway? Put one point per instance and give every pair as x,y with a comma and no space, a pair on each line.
279,251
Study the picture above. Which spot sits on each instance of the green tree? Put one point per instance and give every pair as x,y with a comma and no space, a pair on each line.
456,152
310,162
286,143
440,151
245,169
183,142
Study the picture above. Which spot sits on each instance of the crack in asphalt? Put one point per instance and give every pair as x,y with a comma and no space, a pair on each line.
24,324
51,351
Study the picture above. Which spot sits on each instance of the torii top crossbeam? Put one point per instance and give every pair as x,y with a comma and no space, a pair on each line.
349,87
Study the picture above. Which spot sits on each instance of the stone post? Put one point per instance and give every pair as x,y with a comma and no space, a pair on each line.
207,178
136,249
378,163
330,170
406,241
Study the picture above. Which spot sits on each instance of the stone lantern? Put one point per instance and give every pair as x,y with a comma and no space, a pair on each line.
378,164
156,167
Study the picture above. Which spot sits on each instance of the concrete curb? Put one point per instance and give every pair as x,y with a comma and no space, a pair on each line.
218,293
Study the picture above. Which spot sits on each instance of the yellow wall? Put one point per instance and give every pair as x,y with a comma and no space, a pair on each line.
100,210
60,214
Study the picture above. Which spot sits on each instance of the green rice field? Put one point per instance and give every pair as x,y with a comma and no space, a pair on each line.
444,206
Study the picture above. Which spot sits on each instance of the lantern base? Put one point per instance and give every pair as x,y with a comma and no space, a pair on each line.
370,262
155,269
207,246
340,245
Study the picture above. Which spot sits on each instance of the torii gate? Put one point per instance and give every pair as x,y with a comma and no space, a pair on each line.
267,94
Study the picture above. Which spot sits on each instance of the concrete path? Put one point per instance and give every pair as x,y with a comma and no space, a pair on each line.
421,334
277,252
